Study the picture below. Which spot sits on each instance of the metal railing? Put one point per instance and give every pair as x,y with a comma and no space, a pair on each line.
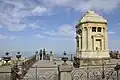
39,74
96,72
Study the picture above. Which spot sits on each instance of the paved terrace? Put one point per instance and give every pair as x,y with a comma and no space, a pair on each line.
44,69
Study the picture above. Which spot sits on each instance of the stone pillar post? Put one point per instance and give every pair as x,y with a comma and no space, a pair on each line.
65,72
6,73
51,58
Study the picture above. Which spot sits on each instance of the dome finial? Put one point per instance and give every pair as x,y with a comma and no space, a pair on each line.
90,11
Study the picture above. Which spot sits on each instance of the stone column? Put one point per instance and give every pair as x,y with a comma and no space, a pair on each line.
102,30
79,42
80,46
37,56
42,56
106,38
77,48
65,72
94,43
83,39
89,39
102,44
78,37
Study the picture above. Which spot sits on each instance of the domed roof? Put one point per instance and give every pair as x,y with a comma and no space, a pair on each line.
92,16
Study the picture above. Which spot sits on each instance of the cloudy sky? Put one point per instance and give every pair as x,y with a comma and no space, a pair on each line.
28,25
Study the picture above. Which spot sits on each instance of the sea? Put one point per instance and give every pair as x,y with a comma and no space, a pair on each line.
27,54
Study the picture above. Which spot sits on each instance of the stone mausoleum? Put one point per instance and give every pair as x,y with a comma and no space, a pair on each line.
92,37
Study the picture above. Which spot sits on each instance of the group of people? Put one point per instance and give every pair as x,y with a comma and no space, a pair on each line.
43,55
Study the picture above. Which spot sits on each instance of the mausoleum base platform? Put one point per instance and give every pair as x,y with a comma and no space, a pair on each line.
94,61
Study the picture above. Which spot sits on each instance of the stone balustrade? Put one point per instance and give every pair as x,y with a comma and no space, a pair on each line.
27,64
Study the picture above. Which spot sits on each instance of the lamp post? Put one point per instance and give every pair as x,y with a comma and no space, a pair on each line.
6,57
71,58
117,68
65,58
103,74
36,72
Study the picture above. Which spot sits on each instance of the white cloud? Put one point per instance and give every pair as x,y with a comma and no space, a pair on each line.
111,32
3,37
83,5
118,24
96,4
12,37
6,37
51,33
39,11
13,2
17,27
1,26
34,25
65,30
14,12
38,36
